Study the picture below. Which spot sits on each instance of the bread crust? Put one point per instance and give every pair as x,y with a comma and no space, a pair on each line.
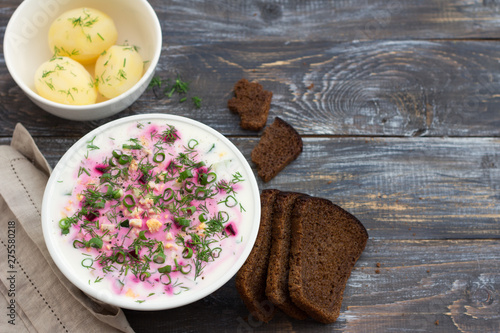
277,273
326,243
251,278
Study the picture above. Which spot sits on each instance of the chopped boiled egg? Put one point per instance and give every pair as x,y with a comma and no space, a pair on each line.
137,223
153,225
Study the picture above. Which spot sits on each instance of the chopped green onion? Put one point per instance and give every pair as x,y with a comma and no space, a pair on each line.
77,244
142,235
105,177
129,201
117,194
115,173
95,243
109,190
159,157
120,257
136,146
185,174
223,216
230,201
182,221
117,153
189,186
65,223
169,279
87,265
189,210
165,269
187,253
170,196
183,271
192,143
124,159
203,178
201,190
199,165
159,258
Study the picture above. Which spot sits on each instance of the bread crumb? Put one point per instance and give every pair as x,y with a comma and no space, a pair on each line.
436,323
414,234
329,182
378,264
377,271
428,271
310,86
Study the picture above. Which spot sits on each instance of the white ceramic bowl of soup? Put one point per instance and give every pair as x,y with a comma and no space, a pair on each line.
61,199
26,47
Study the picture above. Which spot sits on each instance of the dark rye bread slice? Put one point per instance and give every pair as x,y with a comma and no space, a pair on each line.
326,243
251,278
252,103
279,145
277,273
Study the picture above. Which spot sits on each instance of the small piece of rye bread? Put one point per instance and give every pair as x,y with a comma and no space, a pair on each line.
279,145
277,273
251,278
252,103
326,243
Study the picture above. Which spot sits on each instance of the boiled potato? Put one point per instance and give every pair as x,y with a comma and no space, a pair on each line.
63,80
118,69
82,34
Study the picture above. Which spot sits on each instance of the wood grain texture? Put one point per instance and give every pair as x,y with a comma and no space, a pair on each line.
199,21
399,188
397,102
192,22
407,88
418,283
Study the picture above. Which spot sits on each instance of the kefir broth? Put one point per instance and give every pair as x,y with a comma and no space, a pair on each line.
151,209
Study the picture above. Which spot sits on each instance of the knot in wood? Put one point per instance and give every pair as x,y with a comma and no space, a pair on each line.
270,11
481,295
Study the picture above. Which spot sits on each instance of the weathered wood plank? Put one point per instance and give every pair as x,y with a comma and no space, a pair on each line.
407,88
418,283
228,20
196,21
400,188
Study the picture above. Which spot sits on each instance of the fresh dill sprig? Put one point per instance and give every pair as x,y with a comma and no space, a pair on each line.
178,87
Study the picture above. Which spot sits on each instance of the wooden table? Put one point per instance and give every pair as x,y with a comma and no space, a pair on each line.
398,103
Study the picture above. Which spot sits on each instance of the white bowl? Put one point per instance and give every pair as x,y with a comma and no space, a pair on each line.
26,47
62,181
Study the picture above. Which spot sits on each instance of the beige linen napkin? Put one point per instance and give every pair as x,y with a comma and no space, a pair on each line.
34,295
